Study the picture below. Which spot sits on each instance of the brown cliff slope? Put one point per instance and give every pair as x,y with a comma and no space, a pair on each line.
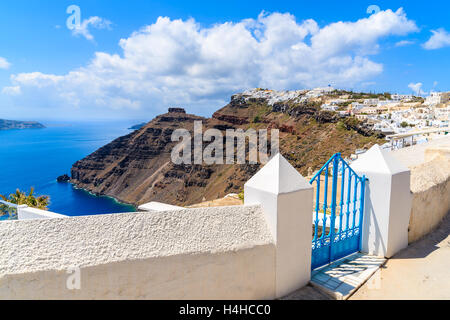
136,168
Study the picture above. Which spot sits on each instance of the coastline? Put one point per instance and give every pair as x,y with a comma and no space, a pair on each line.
98,195
21,129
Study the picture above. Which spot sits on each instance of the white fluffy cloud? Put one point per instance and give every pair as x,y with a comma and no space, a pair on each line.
439,39
12,91
4,64
180,62
416,88
94,22
404,43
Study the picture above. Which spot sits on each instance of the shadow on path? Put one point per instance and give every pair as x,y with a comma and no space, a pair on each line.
430,243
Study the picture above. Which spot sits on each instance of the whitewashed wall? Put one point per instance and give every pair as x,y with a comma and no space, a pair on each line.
210,253
26,213
429,207
430,185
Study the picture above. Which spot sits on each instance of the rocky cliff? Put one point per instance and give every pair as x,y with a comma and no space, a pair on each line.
137,168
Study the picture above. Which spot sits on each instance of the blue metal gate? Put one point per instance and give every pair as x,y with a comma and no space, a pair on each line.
338,224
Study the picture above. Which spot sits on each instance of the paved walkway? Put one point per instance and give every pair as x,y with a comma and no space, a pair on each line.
307,293
421,271
343,277
339,279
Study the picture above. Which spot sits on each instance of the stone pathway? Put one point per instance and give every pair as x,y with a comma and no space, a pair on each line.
421,271
343,277
339,279
307,293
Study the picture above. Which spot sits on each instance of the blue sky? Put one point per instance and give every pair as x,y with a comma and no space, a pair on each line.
49,72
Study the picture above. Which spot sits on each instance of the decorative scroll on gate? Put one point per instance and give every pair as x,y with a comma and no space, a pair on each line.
338,213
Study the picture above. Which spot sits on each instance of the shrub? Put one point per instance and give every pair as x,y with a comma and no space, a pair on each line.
241,195
20,197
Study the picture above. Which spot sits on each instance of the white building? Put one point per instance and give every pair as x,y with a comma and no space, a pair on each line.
318,92
386,102
329,107
357,106
401,97
436,98
371,102
337,101
328,89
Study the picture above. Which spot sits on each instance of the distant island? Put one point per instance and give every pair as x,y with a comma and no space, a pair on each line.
137,126
12,124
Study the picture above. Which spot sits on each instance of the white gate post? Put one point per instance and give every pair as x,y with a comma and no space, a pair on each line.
287,201
387,203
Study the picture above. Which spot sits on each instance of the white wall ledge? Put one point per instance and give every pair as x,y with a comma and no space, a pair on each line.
205,253
158,207
57,244
26,213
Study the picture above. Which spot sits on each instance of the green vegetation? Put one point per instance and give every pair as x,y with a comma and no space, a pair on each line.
404,124
418,99
341,125
256,119
349,123
241,195
7,210
364,95
20,198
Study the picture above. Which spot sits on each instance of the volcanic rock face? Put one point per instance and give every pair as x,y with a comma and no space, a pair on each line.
137,168
177,110
133,167
230,118
63,178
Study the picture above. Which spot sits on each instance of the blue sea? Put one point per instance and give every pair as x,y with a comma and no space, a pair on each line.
36,157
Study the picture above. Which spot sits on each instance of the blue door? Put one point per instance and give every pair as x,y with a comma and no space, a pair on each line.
338,212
